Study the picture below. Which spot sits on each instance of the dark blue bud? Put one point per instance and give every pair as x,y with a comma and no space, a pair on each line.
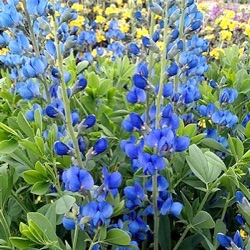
156,36
100,146
136,121
81,144
79,85
75,117
88,122
134,49
61,148
150,44
182,143
173,69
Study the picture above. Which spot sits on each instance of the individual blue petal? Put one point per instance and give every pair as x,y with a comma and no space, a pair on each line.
176,208
162,183
105,209
69,224
140,82
90,209
239,196
224,240
237,239
86,179
131,151
136,121
127,125
115,180
182,143
134,227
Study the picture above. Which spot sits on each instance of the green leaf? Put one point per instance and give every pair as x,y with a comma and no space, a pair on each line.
93,80
33,176
236,147
21,243
165,233
190,130
207,167
40,188
24,125
44,224
248,130
31,146
187,207
213,144
203,220
64,204
220,227
9,130
117,237
81,66
197,163
8,146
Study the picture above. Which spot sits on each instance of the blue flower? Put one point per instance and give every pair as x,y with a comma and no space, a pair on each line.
136,95
20,45
36,7
229,243
228,95
99,212
76,179
162,184
135,195
33,67
151,163
134,123
28,90
224,118
31,113
169,206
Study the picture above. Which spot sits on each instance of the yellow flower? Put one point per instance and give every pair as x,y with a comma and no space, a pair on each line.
77,7
241,51
126,14
216,53
98,10
77,22
232,25
217,21
119,2
203,6
247,30
94,53
209,28
224,23
160,45
140,32
243,234
112,10
226,35
99,36
4,51
229,13
100,19
209,37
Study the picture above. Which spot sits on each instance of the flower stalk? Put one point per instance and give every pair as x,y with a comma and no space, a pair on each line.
65,98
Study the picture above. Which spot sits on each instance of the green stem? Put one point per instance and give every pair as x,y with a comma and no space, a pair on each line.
20,203
158,107
94,240
75,238
36,48
65,98
156,212
6,227
182,238
225,207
